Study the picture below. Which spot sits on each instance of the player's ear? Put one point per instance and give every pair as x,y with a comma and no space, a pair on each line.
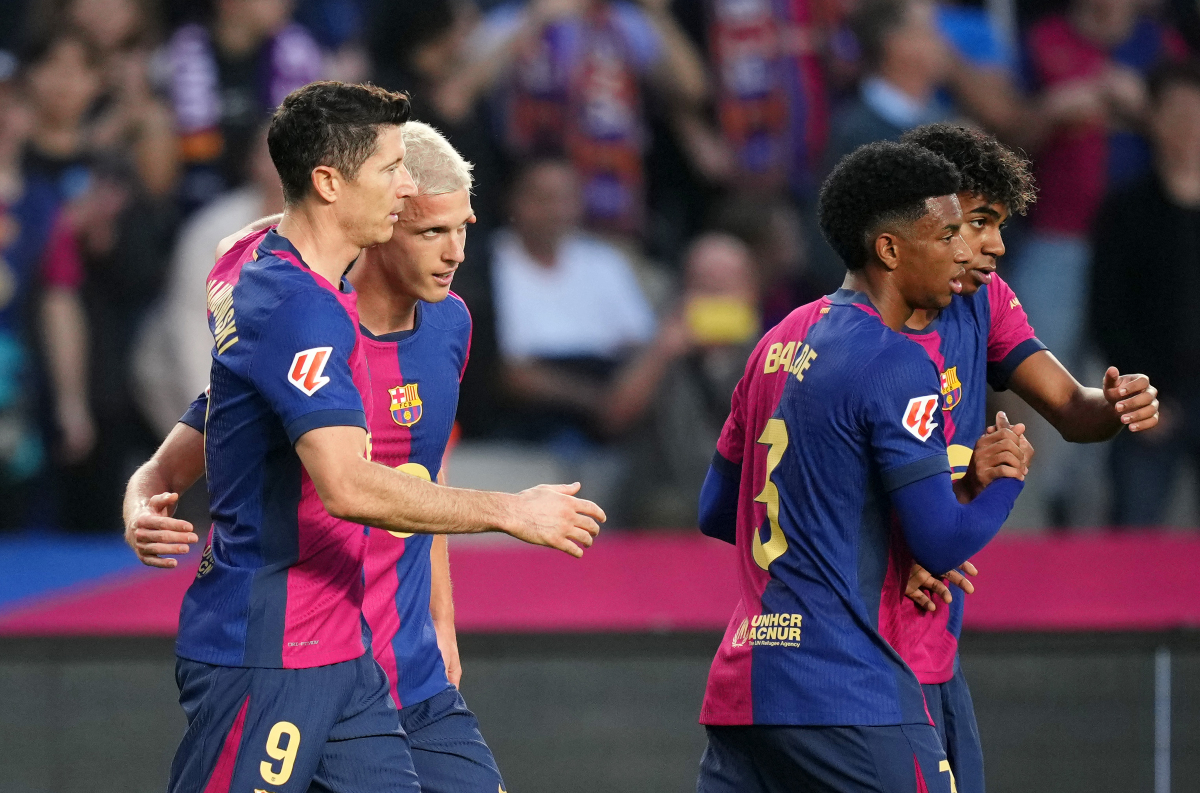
887,249
326,181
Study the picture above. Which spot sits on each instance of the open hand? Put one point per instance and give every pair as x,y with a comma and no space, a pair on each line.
152,533
550,515
1134,400
922,583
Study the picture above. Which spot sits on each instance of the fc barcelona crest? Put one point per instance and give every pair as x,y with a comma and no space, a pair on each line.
406,405
951,388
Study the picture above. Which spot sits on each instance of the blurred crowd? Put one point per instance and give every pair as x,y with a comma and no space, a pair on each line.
646,177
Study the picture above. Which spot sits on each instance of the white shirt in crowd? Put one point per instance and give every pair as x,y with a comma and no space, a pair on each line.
173,356
589,304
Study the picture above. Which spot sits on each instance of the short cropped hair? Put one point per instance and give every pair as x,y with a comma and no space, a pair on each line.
988,167
435,166
1185,73
329,123
875,184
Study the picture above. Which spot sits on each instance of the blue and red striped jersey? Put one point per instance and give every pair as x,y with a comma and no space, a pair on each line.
834,411
413,396
280,581
974,341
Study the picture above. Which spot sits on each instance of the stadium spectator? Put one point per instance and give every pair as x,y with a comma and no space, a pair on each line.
225,78
1153,221
772,229
720,325
27,212
130,120
174,350
771,97
62,82
580,360
906,60
1092,60
577,77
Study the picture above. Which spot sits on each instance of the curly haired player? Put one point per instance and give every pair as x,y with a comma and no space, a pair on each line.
983,336
838,416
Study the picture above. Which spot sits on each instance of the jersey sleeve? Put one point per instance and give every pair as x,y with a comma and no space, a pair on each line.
196,413
1010,336
302,364
731,444
902,410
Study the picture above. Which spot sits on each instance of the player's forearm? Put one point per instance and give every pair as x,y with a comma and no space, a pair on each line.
379,496
942,533
174,468
1081,415
1086,418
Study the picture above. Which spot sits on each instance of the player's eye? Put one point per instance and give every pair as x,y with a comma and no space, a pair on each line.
979,223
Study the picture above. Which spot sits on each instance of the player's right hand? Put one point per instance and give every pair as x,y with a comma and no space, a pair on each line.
1003,451
550,515
152,533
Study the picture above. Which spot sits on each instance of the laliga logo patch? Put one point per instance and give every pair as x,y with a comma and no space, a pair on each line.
918,416
307,367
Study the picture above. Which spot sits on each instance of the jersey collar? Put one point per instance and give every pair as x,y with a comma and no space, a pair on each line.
273,243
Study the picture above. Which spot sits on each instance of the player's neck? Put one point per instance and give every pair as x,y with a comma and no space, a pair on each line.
893,311
384,306
321,242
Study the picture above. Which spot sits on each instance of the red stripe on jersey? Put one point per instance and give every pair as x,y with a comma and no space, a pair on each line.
222,776
728,697
379,605
921,786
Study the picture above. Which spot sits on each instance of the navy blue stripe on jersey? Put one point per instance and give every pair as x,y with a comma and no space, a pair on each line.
998,373
897,478
325,418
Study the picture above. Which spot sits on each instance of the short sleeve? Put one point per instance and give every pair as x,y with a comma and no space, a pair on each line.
731,444
901,407
196,413
1010,336
302,364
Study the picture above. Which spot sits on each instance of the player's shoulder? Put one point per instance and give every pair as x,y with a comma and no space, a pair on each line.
449,314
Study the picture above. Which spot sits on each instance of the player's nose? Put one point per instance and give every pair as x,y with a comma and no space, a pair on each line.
962,251
407,188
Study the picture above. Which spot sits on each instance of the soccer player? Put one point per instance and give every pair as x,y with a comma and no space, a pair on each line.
274,676
417,336
982,337
838,417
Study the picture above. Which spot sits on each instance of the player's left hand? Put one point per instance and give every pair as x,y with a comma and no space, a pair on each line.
152,533
1134,400
922,583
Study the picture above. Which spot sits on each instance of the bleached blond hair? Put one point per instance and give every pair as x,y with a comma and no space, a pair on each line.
434,164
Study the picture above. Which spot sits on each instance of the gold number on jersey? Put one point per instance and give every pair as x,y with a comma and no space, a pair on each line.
776,437
286,754
420,472
944,765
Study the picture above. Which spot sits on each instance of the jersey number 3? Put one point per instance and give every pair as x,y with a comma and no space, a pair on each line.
775,436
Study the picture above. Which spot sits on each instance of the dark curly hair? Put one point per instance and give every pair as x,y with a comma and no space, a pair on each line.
329,123
988,167
876,184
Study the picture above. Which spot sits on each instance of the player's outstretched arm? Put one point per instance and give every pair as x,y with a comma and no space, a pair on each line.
1081,414
152,493
354,489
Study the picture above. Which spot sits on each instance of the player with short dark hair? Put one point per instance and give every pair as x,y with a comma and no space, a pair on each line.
275,676
837,417
984,337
